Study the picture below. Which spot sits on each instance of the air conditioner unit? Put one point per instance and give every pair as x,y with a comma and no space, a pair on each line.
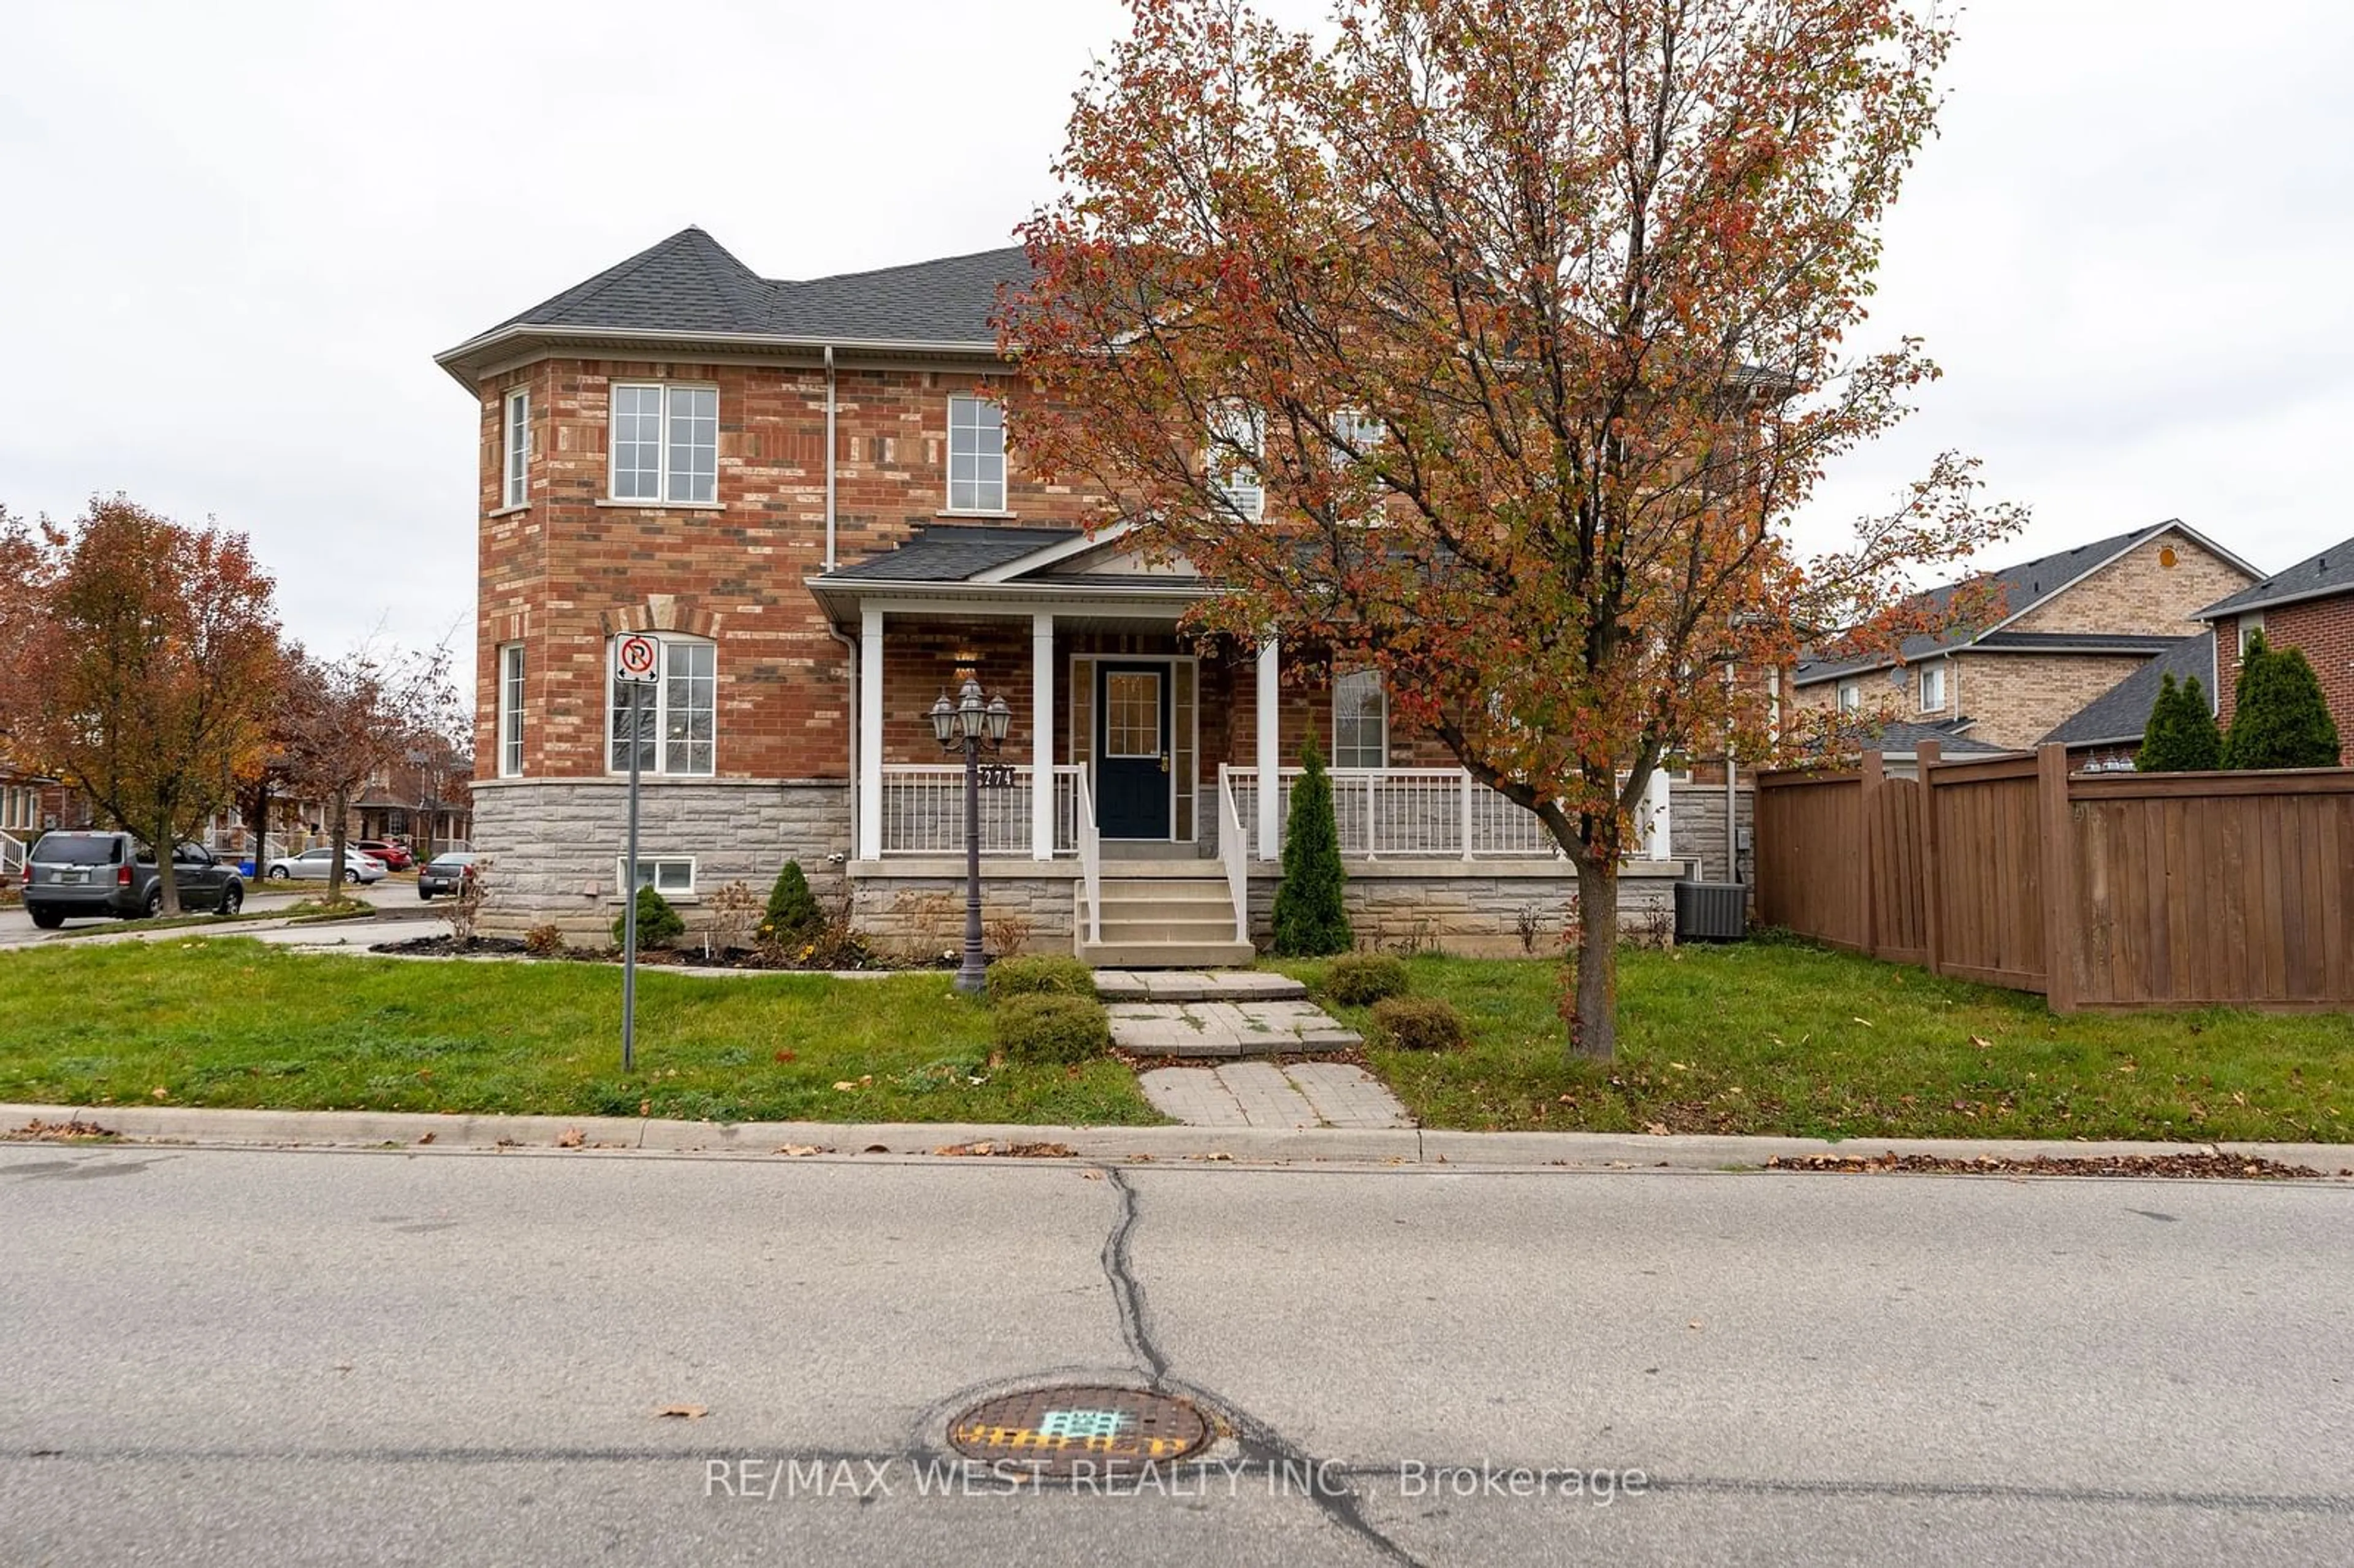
1712,911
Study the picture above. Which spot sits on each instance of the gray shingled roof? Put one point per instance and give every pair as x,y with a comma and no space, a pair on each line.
690,285
953,553
1903,736
2331,571
2021,589
2122,712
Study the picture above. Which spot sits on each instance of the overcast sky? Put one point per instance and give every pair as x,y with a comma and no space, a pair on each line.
236,233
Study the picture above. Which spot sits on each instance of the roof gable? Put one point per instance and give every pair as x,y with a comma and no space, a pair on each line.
2122,712
2330,571
688,282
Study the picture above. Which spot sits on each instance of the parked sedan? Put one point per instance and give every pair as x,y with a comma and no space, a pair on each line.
317,865
395,856
445,874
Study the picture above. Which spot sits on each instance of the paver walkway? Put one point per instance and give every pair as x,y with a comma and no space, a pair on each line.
1220,1013
1273,1094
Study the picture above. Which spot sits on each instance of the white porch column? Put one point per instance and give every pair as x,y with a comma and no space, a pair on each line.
1652,821
870,733
1270,750
1041,714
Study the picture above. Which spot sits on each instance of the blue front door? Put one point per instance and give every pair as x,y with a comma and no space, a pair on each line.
1132,751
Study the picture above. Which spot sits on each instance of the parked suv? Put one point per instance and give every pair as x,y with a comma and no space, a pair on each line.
95,874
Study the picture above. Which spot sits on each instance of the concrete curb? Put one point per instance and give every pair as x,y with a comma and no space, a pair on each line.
1386,1147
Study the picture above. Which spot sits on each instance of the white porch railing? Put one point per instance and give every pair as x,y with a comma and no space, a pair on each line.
1402,812
1233,848
1090,857
12,856
922,811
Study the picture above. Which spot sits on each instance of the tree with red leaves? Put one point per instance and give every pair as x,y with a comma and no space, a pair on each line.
1494,344
143,661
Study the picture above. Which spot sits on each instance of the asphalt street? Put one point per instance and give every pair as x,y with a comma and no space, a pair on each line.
420,1356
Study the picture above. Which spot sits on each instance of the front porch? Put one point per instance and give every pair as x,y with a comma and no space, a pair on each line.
1125,814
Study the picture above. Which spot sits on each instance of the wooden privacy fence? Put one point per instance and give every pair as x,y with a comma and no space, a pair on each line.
2099,891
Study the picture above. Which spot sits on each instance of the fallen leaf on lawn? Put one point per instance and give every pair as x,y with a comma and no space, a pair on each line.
844,1084
645,1108
568,1139
1865,1021
800,1150
683,1412
1656,1129
2238,1098
2126,1067
162,1093
1566,1100
785,1057
1679,1067
1981,1041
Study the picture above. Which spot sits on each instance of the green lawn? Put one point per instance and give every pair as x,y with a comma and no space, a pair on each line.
1779,1037
231,1023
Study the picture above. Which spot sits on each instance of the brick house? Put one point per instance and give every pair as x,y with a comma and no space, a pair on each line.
803,490
2309,607
2068,627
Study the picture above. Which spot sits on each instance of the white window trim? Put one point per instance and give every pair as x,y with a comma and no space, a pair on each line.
515,451
662,708
1848,697
1004,478
2249,624
659,501
622,875
1224,420
1381,690
1936,667
513,673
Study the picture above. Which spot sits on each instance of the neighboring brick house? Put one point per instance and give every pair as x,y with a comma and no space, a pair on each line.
803,490
2309,607
2068,627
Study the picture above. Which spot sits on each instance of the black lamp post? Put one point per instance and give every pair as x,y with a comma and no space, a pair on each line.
974,721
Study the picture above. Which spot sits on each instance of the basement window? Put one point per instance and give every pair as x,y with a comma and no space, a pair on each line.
671,878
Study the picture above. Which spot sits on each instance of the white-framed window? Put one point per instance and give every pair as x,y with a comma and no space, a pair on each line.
1361,720
1932,687
1237,442
665,443
1850,696
670,875
677,714
1353,430
976,454
2249,626
511,710
515,488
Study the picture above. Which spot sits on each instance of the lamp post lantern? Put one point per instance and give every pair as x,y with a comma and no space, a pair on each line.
973,723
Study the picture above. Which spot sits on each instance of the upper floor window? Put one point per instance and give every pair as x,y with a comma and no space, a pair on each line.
1850,696
2250,625
514,485
511,710
976,454
1361,721
665,443
1237,442
1932,687
677,717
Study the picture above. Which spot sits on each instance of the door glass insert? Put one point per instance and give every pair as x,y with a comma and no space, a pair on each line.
1131,714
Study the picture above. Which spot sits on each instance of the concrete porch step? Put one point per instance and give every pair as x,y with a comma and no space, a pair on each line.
1174,927
1202,955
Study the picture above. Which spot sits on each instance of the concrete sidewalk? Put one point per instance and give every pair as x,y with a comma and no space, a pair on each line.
1340,1146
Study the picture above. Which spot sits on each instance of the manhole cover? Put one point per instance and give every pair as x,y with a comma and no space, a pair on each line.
1082,1430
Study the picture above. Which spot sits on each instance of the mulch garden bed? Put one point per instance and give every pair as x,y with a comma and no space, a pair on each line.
449,946
2209,1165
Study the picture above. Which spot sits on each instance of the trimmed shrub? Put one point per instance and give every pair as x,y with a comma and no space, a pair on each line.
2181,737
1040,974
1052,1028
658,923
1311,914
544,941
1361,977
793,916
1419,1023
2281,719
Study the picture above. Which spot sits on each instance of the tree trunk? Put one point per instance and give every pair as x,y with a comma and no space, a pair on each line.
338,834
161,844
1594,1025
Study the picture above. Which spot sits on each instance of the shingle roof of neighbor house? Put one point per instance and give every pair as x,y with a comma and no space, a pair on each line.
2021,588
691,285
954,552
2122,712
2331,571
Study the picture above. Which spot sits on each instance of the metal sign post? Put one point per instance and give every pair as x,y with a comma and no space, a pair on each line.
636,661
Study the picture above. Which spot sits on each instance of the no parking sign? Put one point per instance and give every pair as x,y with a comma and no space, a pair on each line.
635,658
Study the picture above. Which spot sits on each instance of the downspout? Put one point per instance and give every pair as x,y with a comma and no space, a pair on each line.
849,645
